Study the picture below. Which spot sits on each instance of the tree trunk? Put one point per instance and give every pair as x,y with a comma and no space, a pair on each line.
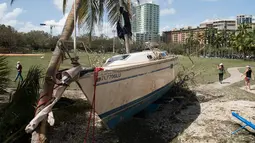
244,55
196,51
39,136
205,50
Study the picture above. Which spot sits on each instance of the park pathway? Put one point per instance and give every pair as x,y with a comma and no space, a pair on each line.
235,76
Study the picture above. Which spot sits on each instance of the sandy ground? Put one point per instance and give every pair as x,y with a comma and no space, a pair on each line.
201,118
215,123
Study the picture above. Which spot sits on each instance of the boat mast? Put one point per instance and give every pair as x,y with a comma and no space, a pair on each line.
74,40
126,35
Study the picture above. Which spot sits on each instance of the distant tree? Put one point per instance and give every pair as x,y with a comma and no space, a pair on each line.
191,43
243,40
8,37
52,43
21,40
38,39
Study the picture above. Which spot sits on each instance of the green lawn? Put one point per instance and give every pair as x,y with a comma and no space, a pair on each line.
43,62
207,66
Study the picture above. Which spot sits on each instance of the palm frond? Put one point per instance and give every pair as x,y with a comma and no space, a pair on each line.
112,8
21,110
64,6
88,14
12,1
4,72
101,10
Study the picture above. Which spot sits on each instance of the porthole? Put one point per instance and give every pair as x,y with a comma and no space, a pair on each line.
149,56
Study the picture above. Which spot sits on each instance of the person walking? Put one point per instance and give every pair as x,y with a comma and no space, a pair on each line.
248,76
221,69
19,70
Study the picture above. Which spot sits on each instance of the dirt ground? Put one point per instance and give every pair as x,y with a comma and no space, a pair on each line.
183,118
200,115
197,116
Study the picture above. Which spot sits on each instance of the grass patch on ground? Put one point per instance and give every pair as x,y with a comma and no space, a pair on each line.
208,67
28,61
242,70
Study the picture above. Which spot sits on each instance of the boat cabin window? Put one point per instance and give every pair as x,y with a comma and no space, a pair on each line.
117,58
164,54
149,57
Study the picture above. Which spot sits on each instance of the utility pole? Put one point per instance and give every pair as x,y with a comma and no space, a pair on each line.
113,45
74,40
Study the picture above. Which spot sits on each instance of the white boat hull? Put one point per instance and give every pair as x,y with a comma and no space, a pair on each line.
120,89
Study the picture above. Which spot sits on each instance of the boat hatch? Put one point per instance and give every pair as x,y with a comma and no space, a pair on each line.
164,53
116,58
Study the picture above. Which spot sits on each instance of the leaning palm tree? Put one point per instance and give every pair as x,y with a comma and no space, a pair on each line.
89,13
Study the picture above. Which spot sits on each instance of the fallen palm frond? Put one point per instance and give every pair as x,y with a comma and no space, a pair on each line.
4,72
21,108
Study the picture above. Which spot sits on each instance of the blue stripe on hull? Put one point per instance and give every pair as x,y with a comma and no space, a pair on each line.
115,116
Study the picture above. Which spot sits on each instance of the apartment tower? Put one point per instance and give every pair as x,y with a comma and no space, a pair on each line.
145,22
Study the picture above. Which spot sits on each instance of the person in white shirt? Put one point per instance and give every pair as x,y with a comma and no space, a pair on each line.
19,70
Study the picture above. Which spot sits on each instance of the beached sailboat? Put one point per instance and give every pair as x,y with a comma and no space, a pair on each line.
125,85
129,83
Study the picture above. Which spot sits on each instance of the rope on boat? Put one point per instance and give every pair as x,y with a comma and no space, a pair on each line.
96,71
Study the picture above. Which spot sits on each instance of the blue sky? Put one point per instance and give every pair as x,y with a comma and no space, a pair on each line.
26,15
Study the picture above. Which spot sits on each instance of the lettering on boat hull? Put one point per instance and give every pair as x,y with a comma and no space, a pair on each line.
109,76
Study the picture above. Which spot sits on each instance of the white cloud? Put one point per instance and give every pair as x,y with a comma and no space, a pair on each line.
167,11
9,18
59,4
162,29
28,26
144,1
11,15
170,1
166,28
178,26
3,9
148,1
104,28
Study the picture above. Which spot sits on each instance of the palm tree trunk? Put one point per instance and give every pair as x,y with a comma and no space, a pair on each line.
244,55
39,136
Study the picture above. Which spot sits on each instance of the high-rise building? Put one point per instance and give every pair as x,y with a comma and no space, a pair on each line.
180,35
243,19
133,18
145,22
220,24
